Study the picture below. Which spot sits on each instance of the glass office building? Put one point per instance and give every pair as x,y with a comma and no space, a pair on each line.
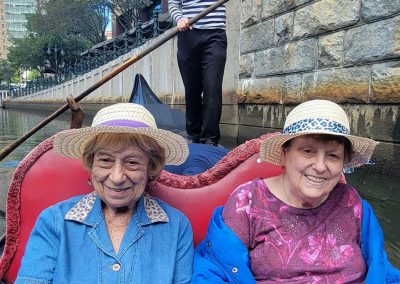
3,31
16,20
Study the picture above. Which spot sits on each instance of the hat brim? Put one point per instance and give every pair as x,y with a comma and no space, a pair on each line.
271,148
71,143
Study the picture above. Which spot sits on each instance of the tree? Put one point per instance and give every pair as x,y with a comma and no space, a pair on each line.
31,52
6,73
72,25
27,52
86,18
91,19
127,12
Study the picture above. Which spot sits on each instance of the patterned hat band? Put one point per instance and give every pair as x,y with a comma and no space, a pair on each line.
124,122
316,124
317,117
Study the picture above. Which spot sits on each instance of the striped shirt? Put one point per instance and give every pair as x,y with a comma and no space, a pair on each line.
179,9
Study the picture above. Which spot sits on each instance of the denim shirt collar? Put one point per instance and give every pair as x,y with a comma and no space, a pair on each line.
148,210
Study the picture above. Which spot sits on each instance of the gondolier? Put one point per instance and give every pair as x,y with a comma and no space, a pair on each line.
201,59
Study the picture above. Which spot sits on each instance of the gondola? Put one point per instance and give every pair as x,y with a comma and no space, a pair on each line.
166,117
44,178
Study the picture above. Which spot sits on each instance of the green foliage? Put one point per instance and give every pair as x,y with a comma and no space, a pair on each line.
7,72
72,25
27,52
127,12
16,76
4,72
86,18
34,74
31,52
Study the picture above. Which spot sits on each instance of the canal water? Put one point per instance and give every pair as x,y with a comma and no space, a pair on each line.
383,192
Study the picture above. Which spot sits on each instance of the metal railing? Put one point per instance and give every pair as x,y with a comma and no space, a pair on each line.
98,55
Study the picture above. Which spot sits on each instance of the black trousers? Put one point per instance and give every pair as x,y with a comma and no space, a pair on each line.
201,59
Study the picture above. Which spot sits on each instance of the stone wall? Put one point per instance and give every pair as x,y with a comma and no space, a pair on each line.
347,51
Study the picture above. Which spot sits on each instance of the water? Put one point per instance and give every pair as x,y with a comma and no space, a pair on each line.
14,124
382,192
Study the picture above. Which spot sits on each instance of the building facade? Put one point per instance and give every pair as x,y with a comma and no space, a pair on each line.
13,17
3,31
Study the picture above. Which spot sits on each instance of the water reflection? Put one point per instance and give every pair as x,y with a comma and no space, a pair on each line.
14,124
9,164
381,191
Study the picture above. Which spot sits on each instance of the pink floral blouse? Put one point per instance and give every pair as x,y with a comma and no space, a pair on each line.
287,244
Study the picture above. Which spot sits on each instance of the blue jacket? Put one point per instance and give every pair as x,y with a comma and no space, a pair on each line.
223,258
70,244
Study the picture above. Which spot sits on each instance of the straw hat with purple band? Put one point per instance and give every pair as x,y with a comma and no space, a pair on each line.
317,117
122,118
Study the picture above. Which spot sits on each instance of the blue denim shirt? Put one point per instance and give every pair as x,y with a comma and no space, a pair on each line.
70,244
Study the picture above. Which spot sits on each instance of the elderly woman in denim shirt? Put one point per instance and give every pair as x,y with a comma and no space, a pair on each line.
118,233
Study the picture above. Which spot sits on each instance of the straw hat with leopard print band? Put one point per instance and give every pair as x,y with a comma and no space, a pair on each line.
122,118
317,117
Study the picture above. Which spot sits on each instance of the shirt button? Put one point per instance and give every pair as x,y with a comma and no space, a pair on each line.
116,267
234,270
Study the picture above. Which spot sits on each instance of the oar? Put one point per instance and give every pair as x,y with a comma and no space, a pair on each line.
157,43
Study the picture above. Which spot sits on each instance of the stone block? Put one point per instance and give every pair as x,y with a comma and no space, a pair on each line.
251,12
244,89
378,122
273,7
375,9
266,90
330,50
269,116
283,28
293,57
229,134
246,133
270,90
246,65
339,85
385,83
292,89
229,97
325,15
372,42
274,116
251,114
229,114
257,37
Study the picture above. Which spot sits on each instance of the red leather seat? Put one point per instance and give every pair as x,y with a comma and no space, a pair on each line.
44,178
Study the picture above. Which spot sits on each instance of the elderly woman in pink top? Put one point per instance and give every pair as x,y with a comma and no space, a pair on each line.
305,225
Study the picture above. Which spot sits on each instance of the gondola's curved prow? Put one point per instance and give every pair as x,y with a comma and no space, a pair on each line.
44,178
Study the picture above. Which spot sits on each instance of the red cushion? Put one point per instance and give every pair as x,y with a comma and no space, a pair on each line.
37,184
44,178
199,203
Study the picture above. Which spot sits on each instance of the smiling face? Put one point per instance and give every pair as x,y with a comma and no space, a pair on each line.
313,167
121,165
120,177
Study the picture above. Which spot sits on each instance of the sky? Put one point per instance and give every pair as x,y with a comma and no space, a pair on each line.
108,28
